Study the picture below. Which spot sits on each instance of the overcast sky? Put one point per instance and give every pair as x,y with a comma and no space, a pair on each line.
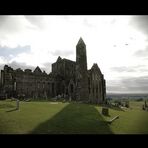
118,44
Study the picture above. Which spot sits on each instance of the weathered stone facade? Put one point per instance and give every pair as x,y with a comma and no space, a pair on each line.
68,78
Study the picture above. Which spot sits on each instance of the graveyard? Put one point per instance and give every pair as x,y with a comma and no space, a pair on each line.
57,117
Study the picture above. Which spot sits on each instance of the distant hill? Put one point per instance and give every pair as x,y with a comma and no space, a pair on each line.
121,96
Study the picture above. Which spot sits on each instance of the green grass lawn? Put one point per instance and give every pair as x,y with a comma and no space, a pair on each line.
70,118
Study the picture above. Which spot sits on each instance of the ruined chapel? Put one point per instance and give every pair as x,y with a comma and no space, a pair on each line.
69,79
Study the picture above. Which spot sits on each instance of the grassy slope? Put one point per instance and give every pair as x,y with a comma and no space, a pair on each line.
131,121
45,117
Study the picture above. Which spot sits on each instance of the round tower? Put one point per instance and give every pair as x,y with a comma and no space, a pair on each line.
81,71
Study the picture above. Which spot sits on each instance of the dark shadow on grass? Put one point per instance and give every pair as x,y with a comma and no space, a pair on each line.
75,119
15,109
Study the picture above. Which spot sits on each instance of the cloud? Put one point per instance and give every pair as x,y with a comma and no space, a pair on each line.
3,18
22,57
62,52
129,85
47,67
87,23
137,68
136,84
8,52
2,60
142,53
25,56
140,22
23,66
16,30
16,65
12,24
36,20
123,69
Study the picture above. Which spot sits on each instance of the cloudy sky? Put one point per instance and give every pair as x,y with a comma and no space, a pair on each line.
118,44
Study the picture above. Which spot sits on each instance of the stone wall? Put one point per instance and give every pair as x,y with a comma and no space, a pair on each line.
27,83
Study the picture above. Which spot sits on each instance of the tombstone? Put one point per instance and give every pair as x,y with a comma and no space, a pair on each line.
59,96
127,104
143,107
105,111
17,104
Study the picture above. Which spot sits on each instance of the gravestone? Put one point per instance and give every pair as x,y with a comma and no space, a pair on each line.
127,104
105,111
143,107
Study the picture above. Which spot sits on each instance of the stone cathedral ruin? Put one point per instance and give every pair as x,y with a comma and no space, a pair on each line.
69,79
